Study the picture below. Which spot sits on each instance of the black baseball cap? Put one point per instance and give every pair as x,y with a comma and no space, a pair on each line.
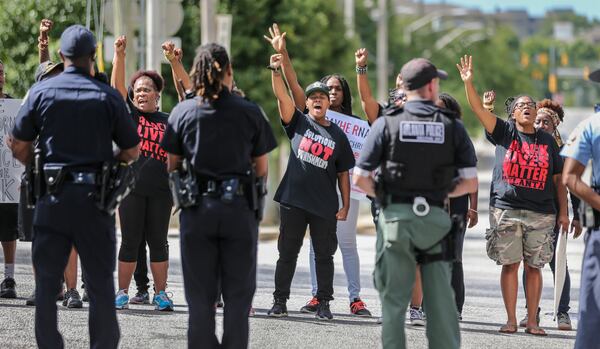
316,86
595,75
77,41
47,67
418,72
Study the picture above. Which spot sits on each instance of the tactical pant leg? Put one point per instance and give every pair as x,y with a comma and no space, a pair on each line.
442,321
394,278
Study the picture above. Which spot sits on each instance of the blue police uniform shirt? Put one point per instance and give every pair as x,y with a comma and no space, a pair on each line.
582,143
76,117
219,138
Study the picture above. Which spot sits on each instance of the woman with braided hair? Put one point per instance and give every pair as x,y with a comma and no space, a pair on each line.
523,212
222,138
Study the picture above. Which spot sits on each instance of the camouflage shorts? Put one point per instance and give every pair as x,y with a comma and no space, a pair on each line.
516,235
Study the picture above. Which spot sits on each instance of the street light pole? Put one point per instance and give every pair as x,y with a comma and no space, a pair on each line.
208,25
382,51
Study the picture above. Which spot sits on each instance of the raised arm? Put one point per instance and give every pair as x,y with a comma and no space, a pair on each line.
489,97
487,118
117,76
367,101
43,40
284,101
181,79
277,40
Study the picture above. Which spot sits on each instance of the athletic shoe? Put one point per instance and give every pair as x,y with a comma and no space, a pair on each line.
140,298
162,302
72,299
564,322
323,312
122,300
8,288
523,323
31,300
311,306
359,308
416,317
85,297
279,309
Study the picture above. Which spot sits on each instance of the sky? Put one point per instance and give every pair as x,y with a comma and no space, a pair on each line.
534,7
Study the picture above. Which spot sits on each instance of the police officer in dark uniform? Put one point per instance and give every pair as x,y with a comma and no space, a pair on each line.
219,138
77,118
419,149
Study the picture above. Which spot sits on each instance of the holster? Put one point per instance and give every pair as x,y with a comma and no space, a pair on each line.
449,246
54,175
184,187
257,194
116,181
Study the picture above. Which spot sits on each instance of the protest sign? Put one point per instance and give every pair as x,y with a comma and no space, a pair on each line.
356,130
10,168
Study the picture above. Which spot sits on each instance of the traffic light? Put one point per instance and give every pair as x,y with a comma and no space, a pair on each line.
543,58
564,59
536,74
586,72
524,60
552,83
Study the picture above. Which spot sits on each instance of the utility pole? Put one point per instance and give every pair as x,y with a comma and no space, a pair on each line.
382,51
349,17
208,25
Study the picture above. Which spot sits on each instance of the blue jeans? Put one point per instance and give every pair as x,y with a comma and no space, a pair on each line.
346,236
589,295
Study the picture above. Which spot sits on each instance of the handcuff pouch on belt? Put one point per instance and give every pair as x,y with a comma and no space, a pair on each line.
184,186
588,216
449,246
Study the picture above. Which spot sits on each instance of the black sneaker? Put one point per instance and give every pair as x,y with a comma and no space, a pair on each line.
279,308
31,300
323,312
72,299
311,306
359,308
8,288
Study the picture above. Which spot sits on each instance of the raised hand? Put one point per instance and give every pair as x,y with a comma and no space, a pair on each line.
277,39
465,68
361,56
178,54
168,50
275,62
45,26
489,97
120,45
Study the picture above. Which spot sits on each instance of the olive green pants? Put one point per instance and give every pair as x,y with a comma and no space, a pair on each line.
399,233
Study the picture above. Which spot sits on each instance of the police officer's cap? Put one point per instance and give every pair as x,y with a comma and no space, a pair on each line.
316,86
77,41
595,75
46,68
418,72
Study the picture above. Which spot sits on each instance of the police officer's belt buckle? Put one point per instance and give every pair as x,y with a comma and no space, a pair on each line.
420,206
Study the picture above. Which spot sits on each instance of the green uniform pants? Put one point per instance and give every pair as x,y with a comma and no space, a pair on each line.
399,232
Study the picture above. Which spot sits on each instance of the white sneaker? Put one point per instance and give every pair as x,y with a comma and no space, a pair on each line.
416,317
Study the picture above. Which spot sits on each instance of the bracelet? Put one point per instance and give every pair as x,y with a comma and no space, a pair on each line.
473,210
275,70
361,70
169,56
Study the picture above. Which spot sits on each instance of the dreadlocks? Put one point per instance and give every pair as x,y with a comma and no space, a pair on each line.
347,99
209,70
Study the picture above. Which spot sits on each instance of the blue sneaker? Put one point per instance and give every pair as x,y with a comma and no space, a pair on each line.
162,302
122,300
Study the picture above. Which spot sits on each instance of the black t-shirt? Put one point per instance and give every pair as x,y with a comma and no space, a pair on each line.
318,154
219,138
524,168
152,178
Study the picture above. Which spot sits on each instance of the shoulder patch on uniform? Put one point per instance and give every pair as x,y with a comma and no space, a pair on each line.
422,132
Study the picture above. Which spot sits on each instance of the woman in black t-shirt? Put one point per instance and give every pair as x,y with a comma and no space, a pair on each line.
526,178
144,214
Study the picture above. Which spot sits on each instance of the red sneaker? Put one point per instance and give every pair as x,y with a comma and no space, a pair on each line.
311,306
359,308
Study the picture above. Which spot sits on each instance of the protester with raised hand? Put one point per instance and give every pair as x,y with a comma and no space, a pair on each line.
523,211
320,159
340,99
181,79
145,213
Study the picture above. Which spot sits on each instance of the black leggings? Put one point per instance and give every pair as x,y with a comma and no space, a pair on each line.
144,217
